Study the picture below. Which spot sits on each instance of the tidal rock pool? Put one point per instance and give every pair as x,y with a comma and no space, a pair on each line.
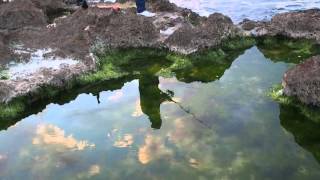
213,121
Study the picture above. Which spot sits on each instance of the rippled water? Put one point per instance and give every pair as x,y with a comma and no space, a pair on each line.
252,9
213,121
241,9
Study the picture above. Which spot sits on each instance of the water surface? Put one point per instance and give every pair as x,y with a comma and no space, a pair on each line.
213,121
252,9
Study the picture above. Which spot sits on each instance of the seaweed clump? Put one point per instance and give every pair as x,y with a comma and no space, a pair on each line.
311,112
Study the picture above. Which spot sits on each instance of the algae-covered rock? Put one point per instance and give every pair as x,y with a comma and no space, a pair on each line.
303,81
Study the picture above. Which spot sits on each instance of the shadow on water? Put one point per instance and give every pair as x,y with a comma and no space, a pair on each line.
305,131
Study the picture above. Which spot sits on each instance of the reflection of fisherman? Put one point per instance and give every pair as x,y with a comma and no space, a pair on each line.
151,97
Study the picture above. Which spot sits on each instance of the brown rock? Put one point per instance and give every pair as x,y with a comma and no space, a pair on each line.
50,6
4,50
20,13
301,24
162,6
303,81
248,25
208,34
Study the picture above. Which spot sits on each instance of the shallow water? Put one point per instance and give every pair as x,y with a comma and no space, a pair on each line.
36,62
252,9
213,121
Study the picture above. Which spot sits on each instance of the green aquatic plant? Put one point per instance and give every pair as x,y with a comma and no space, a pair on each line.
238,43
287,50
115,64
179,61
305,131
229,50
4,75
12,109
106,72
276,93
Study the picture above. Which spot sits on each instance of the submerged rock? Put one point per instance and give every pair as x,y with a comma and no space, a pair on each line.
303,82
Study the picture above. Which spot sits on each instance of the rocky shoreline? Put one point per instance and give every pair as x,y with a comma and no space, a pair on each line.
79,35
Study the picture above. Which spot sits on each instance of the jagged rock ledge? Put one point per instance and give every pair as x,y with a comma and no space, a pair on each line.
299,24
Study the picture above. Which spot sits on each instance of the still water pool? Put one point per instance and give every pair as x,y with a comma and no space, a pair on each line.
214,121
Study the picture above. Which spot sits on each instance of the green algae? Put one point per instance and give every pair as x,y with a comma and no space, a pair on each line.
3,74
107,71
287,50
312,113
305,131
218,59
11,110
238,43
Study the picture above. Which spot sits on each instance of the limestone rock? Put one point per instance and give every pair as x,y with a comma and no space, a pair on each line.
300,24
20,13
303,81
50,6
209,34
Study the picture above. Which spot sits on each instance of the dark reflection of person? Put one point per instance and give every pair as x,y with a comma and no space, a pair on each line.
151,97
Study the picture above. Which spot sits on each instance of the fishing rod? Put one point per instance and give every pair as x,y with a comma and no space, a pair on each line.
170,95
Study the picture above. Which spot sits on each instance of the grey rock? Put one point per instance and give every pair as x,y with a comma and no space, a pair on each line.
303,82
20,13
209,34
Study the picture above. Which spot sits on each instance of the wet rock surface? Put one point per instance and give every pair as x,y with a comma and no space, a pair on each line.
303,82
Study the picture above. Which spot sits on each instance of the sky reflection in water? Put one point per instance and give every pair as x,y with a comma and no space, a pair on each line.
223,129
